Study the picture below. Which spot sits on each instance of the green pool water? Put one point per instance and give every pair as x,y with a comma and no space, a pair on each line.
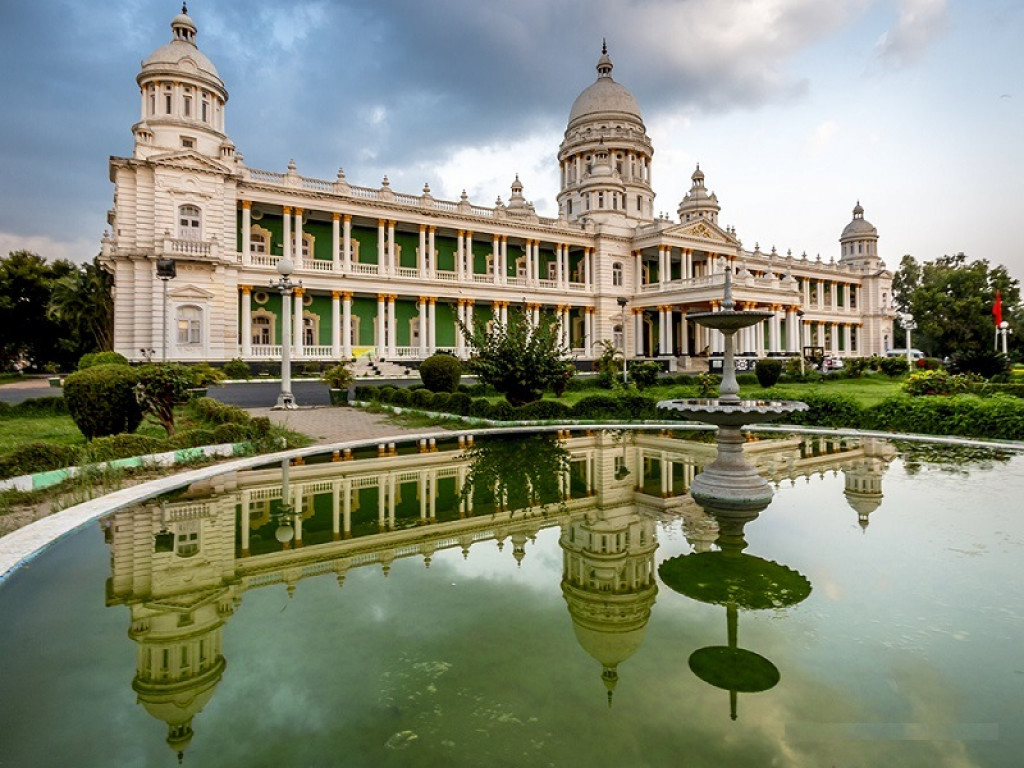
505,604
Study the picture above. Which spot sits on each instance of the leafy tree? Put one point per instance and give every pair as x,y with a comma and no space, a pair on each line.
82,301
519,359
26,281
161,387
951,300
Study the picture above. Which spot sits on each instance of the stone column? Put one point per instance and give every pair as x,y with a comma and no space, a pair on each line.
470,269
588,258
588,331
335,323
346,243
684,333
381,338
496,258
381,257
246,321
346,324
792,341
421,304
469,313
286,232
847,330
297,324
422,260
246,231
504,259
670,346
299,258
638,331
460,259
431,255
432,325
504,313
391,328
392,254
638,271
460,313
336,242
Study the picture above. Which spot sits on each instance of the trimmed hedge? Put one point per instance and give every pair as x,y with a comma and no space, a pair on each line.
89,359
101,400
540,410
237,369
35,406
37,457
768,372
123,446
441,373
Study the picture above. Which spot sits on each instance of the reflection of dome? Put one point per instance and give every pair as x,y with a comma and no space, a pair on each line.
176,702
605,97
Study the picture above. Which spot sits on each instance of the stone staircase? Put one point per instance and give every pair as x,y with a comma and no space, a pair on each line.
364,368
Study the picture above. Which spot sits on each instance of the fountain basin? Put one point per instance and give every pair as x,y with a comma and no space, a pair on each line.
733,413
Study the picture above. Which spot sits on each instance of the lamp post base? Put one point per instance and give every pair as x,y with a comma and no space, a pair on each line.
285,402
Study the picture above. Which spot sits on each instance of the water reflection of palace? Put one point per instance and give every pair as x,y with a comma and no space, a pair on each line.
183,565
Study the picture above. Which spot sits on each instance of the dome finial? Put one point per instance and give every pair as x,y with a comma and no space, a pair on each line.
604,46
604,64
184,8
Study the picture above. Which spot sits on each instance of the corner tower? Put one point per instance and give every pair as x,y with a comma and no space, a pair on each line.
859,241
183,99
605,157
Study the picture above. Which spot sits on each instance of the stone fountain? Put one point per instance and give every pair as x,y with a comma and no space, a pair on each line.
731,481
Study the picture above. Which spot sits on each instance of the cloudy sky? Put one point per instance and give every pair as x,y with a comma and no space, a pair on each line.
795,109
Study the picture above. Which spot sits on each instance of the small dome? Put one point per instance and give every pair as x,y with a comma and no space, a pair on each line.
698,175
605,96
182,47
860,227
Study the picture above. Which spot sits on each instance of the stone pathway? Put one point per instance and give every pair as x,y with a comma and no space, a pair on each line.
333,425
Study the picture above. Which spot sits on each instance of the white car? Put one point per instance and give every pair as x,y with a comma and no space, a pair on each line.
831,364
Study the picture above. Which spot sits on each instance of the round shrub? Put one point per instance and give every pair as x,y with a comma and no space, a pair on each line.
401,396
101,400
422,397
503,410
441,373
596,407
191,438
441,401
385,393
459,403
768,372
231,433
259,427
237,369
124,446
30,458
89,359
480,408
644,374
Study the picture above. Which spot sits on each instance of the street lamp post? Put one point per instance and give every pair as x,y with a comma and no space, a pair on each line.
908,325
622,308
166,269
286,400
1004,329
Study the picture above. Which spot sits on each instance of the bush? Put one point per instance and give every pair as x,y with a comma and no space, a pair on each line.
459,403
441,373
231,433
892,366
260,427
596,407
708,384
89,359
192,438
634,406
746,379
101,400
983,362
644,374
937,382
385,393
366,393
401,396
35,406
855,366
539,410
503,410
441,401
237,369
929,364
338,376
422,398
479,408
211,410
161,387
30,458
123,446
829,410
205,375
768,372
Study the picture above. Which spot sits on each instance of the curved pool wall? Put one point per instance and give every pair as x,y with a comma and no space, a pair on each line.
19,547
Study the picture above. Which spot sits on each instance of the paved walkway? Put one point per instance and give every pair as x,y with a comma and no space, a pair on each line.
333,425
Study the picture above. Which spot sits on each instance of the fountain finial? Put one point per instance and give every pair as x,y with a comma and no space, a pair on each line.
727,303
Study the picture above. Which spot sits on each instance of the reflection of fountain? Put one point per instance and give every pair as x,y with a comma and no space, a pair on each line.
731,478
738,581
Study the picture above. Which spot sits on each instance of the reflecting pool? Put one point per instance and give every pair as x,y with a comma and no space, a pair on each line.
555,600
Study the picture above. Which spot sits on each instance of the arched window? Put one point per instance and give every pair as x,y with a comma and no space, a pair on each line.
262,327
618,340
189,223
616,273
190,325
308,331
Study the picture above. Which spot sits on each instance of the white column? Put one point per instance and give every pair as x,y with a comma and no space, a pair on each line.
336,242
381,338
684,334
298,237
432,325
638,271
846,337
588,257
670,345
496,259
246,321
469,255
504,313
535,315
286,231
346,243
567,266
638,333
335,323
774,331
391,327
432,256
469,313
566,327
421,304
246,232
460,344
504,259
381,259
460,259
663,275
392,256
792,342
422,260
588,331
687,263
346,324
297,324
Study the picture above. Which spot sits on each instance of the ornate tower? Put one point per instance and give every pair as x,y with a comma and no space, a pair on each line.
859,242
699,203
859,251
605,157
183,99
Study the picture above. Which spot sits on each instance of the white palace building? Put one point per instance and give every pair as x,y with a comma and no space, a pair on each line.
386,274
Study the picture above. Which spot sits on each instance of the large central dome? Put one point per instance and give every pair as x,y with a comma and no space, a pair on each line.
604,97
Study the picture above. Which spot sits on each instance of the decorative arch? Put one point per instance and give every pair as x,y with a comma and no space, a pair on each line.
264,327
310,329
260,239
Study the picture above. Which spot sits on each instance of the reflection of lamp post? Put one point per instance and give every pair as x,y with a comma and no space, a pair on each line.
285,400
1004,329
166,269
622,309
285,529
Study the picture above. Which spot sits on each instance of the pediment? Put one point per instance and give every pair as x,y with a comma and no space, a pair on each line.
701,230
190,160
187,602
190,292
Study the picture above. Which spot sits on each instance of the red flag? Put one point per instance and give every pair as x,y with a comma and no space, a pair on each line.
997,309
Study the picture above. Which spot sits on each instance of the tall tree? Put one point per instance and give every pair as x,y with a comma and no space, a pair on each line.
26,332
951,300
517,358
82,302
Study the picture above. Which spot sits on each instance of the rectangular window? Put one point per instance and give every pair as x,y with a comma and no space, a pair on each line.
187,142
206,109
167,104
188,106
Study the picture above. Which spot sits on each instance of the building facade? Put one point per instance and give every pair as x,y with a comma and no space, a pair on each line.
389,275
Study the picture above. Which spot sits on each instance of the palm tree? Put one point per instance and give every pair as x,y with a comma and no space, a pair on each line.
82,301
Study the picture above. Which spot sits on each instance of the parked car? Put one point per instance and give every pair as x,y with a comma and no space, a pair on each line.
830,364
915,354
